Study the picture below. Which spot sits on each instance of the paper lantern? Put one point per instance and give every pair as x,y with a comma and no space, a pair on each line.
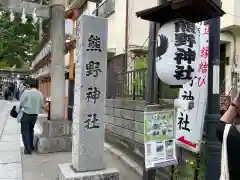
177,52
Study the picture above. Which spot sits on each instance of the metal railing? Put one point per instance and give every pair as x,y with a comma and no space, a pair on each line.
105,9
133,84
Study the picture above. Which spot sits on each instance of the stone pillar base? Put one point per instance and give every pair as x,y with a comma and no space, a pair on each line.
65,172
45,145
52,136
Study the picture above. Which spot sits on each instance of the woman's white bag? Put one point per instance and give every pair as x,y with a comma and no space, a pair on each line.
224,158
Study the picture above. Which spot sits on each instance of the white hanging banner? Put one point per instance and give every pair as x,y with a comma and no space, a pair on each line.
189,124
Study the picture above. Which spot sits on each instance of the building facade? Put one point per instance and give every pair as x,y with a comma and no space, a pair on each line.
230,44
128,37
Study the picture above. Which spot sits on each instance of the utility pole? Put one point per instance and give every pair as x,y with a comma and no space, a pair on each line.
213,106
151,80
58,58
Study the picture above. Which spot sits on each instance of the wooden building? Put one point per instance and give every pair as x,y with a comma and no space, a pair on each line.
42,61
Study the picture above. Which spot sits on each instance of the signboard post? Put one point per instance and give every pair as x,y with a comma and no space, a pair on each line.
189,124
89,102
159,137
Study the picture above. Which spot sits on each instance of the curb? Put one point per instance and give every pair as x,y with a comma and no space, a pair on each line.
11,134
5,118
127,160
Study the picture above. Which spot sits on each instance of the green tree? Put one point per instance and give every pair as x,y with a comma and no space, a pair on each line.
140,80
139,75
18,41
140,62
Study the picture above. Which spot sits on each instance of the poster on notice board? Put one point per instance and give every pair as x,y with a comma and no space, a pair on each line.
159,137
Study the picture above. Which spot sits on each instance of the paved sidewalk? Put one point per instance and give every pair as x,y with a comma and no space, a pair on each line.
10,155
44,166
15,166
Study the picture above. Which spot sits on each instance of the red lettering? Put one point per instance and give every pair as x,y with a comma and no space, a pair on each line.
201,81
206,29
204,52
203,67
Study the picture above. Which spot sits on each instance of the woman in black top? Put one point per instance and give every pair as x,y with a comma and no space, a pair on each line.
233,139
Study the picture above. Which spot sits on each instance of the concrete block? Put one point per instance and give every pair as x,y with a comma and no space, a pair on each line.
109,111
117,139
118,130
54,128
139,116
139,127
128,134
108,119
109,127
110,102
130,104
11,171
128,114
140,105
117,112
59,128
57,144
65,172
128,124
119,103
117,121
138,137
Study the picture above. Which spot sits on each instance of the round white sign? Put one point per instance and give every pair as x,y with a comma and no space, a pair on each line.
177,52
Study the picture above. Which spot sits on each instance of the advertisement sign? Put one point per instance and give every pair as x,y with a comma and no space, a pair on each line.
189,124
159,141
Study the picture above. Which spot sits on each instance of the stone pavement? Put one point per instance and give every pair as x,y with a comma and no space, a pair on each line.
10,155
44,166
16,166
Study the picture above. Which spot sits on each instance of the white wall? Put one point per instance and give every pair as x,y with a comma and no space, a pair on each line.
116,27
229,41
232,16
228,6
139,28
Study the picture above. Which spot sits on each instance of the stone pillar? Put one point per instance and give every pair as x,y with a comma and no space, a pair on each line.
58,59
89,97
55,134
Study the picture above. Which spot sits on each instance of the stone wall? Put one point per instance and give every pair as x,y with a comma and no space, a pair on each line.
124,127
124,123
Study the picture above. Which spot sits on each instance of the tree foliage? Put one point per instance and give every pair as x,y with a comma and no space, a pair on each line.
17,41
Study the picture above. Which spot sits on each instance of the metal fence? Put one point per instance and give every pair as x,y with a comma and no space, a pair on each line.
133,84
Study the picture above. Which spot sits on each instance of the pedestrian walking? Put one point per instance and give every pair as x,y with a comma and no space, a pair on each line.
30,106
229,135
11,91
6,94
